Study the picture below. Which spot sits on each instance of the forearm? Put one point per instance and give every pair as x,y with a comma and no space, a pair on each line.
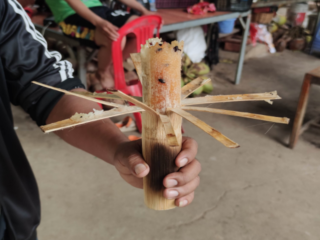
84,11
100,138
135,5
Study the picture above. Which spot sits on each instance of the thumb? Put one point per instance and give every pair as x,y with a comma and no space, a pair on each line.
137,165
132,159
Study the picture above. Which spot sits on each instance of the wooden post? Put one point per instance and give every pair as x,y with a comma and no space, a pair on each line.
161,76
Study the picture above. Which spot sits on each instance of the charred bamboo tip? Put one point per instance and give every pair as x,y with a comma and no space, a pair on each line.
176,49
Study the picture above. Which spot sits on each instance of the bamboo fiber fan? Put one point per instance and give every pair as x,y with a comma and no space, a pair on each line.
163,106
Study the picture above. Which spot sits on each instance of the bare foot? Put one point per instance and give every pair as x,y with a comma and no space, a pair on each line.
93,84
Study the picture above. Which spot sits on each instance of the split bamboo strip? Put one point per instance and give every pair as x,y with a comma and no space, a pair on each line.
136,59
171,135
231,98
78,95
192,86
133,100
239,114
161,81
68,123
104,95
205,127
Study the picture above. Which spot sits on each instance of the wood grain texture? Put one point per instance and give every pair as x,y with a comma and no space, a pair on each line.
134,101
283,120
168,128
231,98
158,65
172,16
68,123
136,59
206,128
104,95
78,95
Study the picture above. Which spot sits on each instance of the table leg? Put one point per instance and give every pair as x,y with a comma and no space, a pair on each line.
82,65
301,109
243,50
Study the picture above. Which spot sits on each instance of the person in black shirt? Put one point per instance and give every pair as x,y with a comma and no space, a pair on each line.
24,58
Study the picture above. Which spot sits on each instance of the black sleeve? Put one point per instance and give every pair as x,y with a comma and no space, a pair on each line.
25,57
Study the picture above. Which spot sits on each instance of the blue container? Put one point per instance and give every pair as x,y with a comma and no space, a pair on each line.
316,41
226,26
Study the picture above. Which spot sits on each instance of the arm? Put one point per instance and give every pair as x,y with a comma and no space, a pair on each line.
81,9
97,21
136,5
104,140
100,139
26,58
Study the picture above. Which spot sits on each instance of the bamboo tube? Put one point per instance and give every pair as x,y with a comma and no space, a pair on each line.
160,65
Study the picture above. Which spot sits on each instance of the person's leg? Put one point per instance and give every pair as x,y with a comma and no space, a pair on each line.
105,68
104,74
130,45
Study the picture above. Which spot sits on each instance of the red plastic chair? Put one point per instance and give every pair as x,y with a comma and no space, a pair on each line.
143,28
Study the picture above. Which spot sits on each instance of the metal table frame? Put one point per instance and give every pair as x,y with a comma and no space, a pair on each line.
166,28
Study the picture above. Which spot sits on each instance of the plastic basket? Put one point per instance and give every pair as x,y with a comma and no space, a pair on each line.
316,41
233,5
226,26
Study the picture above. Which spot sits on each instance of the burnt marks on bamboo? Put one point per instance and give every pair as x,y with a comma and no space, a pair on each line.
163,163
176,49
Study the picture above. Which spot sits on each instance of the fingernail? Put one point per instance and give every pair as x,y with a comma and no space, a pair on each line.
183,203
172,183
139,168
183,162
172,194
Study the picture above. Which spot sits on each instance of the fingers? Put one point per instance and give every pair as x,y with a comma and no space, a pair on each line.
130,161
112,32
181,185
188,152
183,191
184,176
184,201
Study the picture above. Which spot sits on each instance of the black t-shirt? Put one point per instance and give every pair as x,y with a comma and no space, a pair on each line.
24,58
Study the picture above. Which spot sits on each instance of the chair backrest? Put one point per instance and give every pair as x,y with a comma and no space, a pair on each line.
143,28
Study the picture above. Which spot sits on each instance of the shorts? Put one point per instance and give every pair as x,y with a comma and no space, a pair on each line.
77,27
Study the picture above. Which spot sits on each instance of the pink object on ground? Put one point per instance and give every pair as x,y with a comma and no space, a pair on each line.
143,28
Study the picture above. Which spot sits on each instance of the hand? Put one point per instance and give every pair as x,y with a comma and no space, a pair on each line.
133,168
147,12
108,29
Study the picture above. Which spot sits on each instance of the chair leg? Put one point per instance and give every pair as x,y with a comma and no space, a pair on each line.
302,105
82,65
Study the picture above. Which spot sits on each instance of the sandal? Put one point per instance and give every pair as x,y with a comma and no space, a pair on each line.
126,125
